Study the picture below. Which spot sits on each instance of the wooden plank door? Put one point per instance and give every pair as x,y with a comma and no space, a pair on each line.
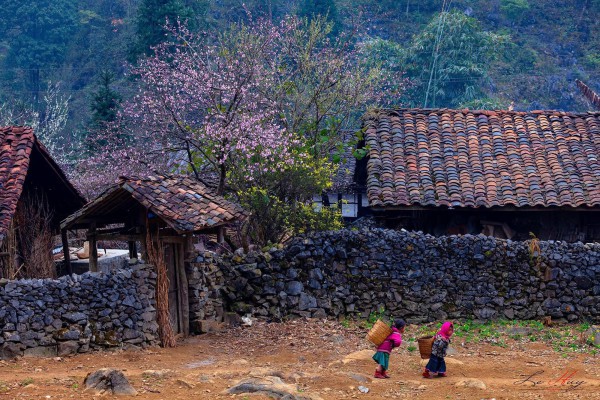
170,251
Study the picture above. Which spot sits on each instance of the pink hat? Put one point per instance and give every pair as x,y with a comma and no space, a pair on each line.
445,329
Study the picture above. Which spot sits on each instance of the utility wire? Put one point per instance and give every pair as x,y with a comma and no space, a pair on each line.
436,48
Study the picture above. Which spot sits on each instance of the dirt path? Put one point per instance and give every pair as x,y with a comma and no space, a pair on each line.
313,356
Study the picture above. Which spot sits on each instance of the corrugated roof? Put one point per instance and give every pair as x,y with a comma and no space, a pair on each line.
463,158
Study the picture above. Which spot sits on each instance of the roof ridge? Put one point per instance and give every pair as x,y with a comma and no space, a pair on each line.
376,112
588,93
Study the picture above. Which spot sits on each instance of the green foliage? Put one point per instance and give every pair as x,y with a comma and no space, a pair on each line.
306,218
378,314
26,381
324,84
105,102
449,60
280,202
325,8
592,60
272,220
514,10
485,103
37,34
153,15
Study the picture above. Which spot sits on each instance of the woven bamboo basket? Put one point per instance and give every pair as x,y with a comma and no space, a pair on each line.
379,332
425,345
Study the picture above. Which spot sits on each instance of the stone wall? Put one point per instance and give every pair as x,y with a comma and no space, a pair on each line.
74,314
415,276
204,291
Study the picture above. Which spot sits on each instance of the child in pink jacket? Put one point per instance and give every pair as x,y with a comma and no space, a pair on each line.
382,357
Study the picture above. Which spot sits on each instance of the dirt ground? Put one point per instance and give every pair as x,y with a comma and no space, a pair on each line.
321,360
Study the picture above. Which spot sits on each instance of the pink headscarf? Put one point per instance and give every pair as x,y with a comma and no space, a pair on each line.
445,330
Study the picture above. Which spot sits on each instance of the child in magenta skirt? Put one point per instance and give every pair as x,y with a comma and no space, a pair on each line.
441,341
382,357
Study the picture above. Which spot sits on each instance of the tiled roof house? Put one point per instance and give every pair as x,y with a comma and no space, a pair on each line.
459,171
27,170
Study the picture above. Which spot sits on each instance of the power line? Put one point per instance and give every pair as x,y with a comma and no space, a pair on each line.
436,50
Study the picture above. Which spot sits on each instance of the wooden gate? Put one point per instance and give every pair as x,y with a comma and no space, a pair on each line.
178,293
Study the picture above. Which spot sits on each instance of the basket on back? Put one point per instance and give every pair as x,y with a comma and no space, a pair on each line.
379,332
425,345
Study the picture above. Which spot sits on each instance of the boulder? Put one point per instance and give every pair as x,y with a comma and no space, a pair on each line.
271,386
108,381
471,383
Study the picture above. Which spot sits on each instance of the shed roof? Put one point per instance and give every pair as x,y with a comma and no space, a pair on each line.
589,94
185,204
17,144
464,158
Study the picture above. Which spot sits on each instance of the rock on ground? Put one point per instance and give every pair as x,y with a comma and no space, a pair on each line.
471,383
358,356
271,386
109,381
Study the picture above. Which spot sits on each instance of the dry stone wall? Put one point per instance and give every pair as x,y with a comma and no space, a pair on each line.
412,275
77,313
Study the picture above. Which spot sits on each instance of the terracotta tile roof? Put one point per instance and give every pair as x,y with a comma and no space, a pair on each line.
15,148
183,203
589,94
462,158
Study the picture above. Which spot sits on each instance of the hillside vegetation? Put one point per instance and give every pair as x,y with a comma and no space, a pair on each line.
256,94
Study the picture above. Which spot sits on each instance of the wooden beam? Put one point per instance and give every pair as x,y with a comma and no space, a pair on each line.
133,249
100,221
183,289
173,239
121,237
65,243
93,248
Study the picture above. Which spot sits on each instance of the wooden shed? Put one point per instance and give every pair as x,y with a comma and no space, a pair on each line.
172,209
29,178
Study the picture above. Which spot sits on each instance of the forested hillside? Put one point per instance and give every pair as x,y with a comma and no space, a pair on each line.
267,86
487,53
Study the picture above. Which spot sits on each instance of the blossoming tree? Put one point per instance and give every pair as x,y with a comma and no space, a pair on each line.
260,107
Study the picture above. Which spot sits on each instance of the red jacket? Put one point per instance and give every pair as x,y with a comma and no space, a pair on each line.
393,340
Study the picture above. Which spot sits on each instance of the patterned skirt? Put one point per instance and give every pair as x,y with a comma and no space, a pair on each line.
382,359
436,364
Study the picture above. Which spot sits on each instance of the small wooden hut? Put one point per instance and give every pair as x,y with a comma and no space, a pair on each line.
172,209
31,182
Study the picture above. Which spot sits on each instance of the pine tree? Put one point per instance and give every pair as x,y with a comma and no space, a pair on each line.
105,106
152,17
105,102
